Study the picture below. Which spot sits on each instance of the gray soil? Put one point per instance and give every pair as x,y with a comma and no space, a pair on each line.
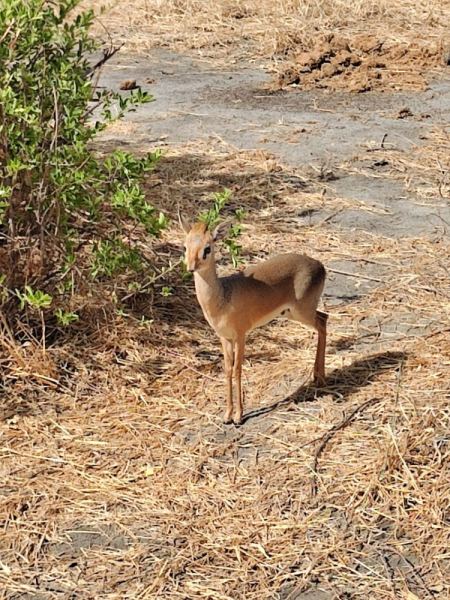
195,101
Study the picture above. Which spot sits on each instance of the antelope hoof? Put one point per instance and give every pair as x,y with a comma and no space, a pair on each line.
319,380
238,422
227,420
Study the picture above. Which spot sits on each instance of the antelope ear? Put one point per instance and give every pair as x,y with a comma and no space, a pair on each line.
221,230
184,223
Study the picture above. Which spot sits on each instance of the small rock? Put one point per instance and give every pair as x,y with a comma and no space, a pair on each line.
128,84
403,113
289,77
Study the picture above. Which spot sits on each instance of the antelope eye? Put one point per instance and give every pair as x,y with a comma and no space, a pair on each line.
206,251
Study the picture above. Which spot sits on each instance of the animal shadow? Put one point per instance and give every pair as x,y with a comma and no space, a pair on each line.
340,383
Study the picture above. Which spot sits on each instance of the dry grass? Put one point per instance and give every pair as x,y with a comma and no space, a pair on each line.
234,30
290,38
117,478
426,169
119,481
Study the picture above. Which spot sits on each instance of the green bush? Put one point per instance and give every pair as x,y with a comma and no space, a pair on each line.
56,195
213,217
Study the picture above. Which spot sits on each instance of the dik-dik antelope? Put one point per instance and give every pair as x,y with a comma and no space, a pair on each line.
288,285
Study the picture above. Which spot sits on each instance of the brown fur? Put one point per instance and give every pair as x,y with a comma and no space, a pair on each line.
287,285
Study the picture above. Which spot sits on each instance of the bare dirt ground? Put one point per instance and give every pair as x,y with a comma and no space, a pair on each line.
118,479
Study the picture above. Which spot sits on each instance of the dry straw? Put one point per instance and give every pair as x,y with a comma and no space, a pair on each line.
356,45
231,30
121,482
118,479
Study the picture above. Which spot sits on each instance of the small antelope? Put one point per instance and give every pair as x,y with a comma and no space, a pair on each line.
288,285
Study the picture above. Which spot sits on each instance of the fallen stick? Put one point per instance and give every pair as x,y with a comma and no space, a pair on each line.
354,275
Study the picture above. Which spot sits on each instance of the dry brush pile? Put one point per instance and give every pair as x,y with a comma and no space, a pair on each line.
331,44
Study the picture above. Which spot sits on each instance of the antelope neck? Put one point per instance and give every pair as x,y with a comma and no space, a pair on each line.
209,290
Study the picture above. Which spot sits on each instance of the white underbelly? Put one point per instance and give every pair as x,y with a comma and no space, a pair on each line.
282,311
227,328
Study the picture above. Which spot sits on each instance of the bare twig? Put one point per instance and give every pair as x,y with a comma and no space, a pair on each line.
107,55
356,275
